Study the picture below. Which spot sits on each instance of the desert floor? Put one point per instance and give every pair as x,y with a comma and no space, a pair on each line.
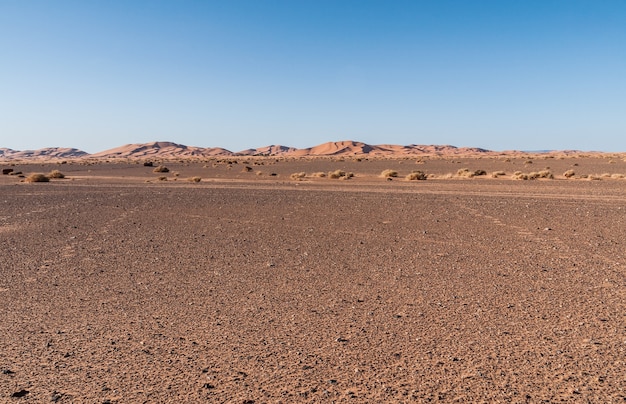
245,287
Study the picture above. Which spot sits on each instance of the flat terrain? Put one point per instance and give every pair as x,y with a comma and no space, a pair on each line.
118,286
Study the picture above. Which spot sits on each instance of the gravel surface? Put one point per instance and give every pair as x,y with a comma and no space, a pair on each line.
247,290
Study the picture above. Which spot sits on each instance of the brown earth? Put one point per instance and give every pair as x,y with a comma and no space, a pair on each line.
118,286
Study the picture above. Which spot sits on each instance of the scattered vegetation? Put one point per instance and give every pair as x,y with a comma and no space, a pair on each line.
467,173
416,176
298,176
56,174
161,169
37,178
389,173
518,175
336,174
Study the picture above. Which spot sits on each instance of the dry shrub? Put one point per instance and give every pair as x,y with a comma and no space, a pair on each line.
347,176
298,176
569,174
617,176
545,174
518,175
194,179
497,174
37,178
416,176
605,175
56,174
246,169
319,174
465,172
161,169
162,178
336,174
389,173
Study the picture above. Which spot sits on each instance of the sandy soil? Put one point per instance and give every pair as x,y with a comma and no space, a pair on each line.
120,287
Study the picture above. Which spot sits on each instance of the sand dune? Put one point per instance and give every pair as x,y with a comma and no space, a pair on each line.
48,152
171,150
161,149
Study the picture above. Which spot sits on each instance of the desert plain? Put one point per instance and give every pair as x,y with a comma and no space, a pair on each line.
260,280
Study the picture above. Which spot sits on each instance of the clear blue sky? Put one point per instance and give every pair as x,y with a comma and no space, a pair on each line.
237,74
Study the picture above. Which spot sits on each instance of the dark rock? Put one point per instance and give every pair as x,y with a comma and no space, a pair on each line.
7,171
20,393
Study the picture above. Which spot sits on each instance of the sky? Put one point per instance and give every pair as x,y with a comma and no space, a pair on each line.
501,75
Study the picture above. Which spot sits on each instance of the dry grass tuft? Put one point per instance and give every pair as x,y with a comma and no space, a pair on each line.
298,176
162,178
55,174
319,174
347,176
617,176
497,174
545,174
569,174
465,172
37,178
336,174
416,176
161,169
389,173
194,179
518,175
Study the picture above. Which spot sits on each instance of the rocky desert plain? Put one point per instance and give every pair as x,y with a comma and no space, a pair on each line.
161,273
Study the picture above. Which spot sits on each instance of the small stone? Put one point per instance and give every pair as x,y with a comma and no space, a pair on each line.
20,393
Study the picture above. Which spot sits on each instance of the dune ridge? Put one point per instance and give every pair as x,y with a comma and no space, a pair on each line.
166,149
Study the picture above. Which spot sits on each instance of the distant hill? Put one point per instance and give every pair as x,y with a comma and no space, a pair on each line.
45,153
170,150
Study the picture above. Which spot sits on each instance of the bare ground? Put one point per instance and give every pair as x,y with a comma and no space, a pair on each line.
255,288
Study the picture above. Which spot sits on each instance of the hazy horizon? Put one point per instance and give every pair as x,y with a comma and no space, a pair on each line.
532,75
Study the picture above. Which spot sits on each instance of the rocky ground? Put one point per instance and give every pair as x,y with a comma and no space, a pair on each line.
118,286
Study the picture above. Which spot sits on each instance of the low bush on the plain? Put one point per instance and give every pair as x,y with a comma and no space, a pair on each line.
467,173
161,169
416,176
37,178
569,173
298,176
56,174
389,173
